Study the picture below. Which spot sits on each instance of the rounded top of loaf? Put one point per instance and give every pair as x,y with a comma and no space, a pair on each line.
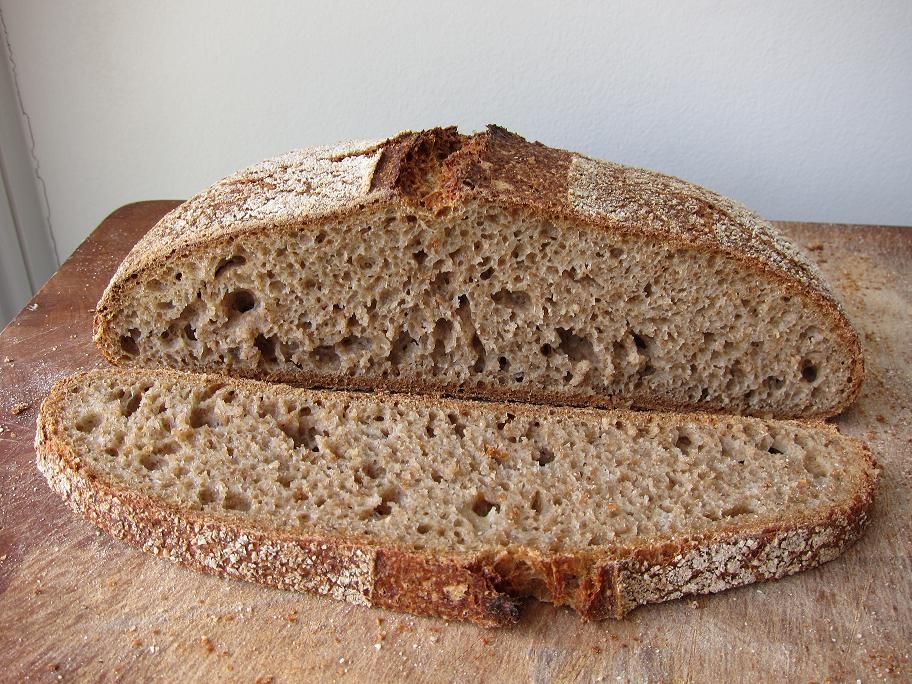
439,168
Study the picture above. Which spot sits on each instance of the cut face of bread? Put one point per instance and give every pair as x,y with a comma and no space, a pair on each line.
448,507
484,266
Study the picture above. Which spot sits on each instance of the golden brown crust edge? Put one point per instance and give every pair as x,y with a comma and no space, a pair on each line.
494,166
475,588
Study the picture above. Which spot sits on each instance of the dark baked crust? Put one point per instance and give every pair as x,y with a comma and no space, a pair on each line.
439,169
485,587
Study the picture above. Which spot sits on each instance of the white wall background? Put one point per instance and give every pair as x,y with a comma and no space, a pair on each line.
802,110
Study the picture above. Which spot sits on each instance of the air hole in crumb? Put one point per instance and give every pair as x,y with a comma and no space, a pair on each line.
576,348
320,237
546,350
207,495
683,442
325,355
480,354
616,252
441,281
536,502
774,450
639,341
129,408
228,264
487,273
389,496
808,371
423,529
236,501
267,347
200,417
458,425
481,506
503,363
404,347
300,433
190,332
239,301
737,509
511,300
545,456
373,470
152,461
436,477
211,390
420,256
88,422
510,417
128,344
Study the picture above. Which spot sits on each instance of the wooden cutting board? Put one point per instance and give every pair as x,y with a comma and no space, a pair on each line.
76,605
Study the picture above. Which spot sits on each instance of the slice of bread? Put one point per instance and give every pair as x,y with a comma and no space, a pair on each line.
484,266
449,508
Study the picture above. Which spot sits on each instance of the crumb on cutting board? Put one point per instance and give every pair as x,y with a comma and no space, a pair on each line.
19,408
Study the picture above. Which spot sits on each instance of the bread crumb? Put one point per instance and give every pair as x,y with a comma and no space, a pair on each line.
264,679
21,407
7,359
32,307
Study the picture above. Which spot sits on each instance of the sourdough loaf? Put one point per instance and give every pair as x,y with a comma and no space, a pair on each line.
484,266
446,507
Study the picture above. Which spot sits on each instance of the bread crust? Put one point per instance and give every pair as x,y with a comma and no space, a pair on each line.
484,587
439,169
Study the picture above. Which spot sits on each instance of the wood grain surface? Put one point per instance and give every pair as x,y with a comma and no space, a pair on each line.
76,605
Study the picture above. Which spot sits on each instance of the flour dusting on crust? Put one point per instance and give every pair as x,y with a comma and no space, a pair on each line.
669,206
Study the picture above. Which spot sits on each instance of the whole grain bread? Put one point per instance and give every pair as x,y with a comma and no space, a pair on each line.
484,266
449,508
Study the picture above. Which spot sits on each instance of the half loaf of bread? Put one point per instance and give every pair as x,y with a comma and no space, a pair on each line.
445,507
484,266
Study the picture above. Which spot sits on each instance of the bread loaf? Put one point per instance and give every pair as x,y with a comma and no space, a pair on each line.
484,266
446,507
